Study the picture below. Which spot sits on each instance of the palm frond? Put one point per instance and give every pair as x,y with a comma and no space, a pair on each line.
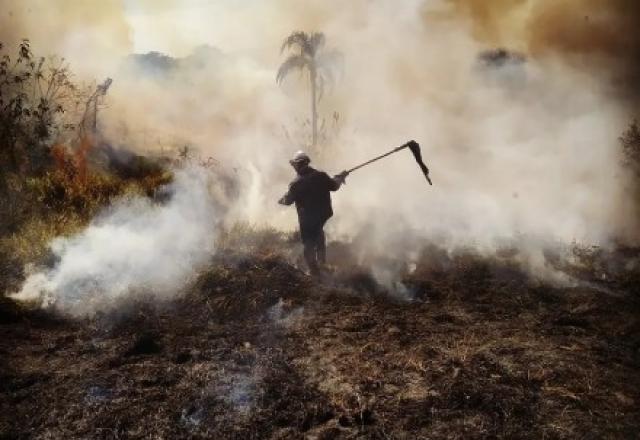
316,43
295,61
297,38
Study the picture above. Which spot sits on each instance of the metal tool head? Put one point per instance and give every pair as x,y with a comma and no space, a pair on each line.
415,149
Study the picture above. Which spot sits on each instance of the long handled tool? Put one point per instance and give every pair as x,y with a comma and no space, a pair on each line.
415,149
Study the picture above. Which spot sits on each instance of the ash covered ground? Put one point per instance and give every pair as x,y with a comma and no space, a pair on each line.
254,348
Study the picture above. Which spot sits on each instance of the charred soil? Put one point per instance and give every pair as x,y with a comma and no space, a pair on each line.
254,348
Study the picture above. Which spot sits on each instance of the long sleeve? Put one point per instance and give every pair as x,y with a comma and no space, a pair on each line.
290,197
332,183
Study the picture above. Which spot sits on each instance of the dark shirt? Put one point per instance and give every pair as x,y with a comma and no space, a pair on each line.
310,192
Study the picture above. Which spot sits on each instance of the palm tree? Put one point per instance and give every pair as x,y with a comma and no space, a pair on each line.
310,56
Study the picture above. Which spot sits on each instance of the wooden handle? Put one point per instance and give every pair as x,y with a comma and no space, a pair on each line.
395,150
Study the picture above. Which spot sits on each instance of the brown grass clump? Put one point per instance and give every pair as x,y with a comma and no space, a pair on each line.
34,209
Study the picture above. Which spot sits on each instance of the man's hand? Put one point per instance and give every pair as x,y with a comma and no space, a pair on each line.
341,178
286,199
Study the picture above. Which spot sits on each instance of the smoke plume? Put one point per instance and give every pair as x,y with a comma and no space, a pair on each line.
135,246
90,35
520,152
603,36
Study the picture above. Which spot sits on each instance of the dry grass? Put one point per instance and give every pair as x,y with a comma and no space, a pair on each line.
36,209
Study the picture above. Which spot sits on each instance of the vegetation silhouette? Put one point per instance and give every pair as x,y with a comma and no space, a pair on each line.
310,56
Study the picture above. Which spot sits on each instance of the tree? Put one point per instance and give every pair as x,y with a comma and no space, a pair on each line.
33,96
93,102
311,57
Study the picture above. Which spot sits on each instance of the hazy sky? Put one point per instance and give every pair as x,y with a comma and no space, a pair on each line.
231,25
409,72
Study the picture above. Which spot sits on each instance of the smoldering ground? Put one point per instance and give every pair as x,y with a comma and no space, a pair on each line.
134,246
525,155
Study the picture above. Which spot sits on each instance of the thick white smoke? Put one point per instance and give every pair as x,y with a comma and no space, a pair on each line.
136,245
520,154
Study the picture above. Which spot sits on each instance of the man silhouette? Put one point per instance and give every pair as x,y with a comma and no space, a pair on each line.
310,191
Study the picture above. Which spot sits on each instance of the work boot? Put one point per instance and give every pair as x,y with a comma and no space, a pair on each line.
311,258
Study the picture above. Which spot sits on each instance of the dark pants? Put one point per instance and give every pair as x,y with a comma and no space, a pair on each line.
315,249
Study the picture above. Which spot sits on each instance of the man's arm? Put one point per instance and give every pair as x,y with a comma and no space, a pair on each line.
337,181
289,198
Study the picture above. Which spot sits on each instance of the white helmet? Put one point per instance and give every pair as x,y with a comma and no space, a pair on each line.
300,157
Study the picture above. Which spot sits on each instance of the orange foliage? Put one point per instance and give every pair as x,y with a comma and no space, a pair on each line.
80,158
59,155
72,163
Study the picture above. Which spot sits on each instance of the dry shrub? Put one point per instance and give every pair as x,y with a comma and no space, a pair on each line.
630,141
54,205
38,104
60,201
49,185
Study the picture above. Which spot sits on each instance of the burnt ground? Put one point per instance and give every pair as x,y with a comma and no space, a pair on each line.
256,349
